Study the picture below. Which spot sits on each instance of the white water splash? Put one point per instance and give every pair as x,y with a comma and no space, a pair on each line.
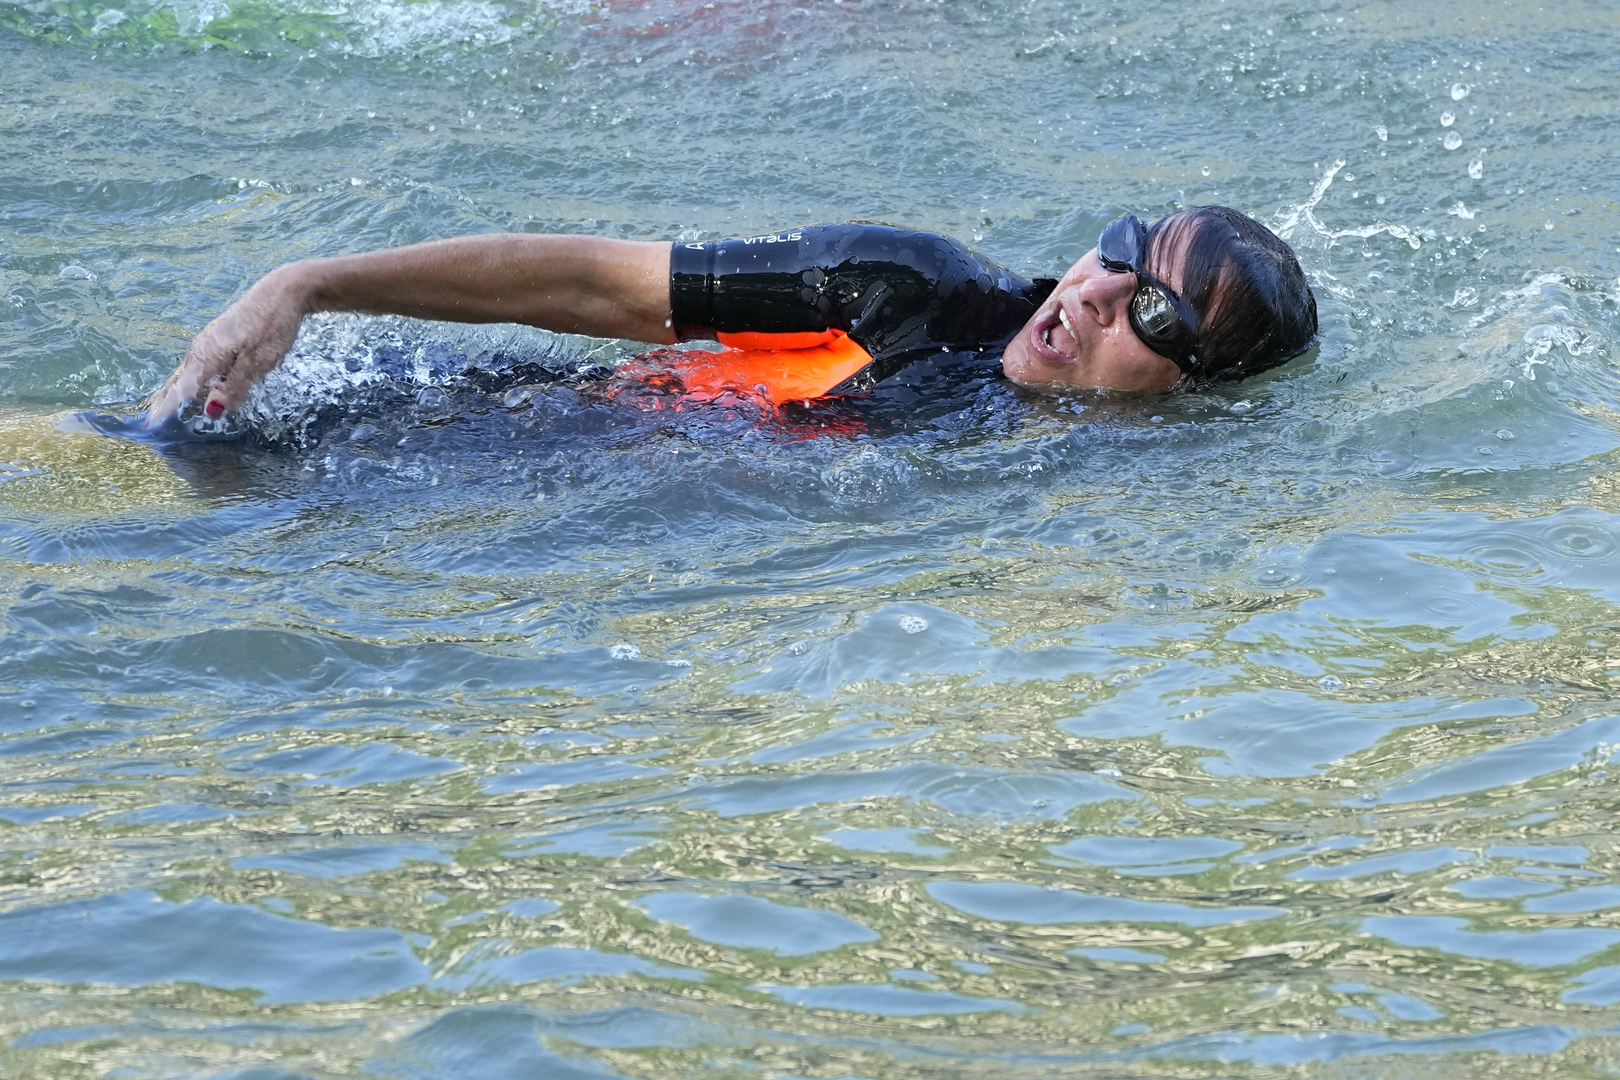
370,29
193,16
1541,339
1305,214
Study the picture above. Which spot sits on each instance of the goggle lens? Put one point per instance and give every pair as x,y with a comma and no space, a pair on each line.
1122,243
1158,318
1155,314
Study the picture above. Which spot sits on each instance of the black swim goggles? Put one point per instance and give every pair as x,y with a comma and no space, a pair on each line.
1162,320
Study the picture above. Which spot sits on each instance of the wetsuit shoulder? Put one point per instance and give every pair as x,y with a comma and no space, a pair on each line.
897,292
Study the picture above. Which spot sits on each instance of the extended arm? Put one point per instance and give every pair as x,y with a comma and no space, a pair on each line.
571,284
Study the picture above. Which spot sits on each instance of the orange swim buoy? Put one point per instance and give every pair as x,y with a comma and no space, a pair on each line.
778,367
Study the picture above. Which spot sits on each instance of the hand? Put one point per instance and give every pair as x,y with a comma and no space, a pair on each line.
235,351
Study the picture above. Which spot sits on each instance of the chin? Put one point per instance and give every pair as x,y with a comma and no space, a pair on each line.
1028,371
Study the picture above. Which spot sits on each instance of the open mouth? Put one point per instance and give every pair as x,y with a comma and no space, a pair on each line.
1053,338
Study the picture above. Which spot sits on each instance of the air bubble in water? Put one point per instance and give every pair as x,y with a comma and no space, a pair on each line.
625,651
1330,682
1452,140
1458,91
1447,119
1205,170
1505,435
1241,407
911,624
1382,132
1476,168
1549,225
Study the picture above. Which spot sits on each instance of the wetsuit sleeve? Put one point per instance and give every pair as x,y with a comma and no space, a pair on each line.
894,291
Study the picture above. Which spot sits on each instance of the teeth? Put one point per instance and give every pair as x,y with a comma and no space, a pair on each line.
1063,317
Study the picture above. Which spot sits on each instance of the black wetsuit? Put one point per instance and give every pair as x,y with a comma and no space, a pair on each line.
901,295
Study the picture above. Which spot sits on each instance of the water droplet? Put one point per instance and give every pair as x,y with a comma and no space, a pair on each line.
1447,119
797,648
1112,774
1155,419
1505,435
625,651
1476,168
1379,200
1241,407
1382,132
1452,140
911,624
1205,170
1330,682
1458,91
1549,225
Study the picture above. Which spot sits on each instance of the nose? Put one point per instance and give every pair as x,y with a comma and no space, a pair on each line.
1107,294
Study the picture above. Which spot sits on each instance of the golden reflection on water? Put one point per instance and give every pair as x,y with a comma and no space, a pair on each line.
45,465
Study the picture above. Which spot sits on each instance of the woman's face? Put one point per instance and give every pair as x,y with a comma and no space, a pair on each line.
1082,337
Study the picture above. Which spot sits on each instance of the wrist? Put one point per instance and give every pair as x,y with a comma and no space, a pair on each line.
296,286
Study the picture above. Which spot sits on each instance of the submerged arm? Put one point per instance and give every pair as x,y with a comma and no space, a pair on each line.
570,284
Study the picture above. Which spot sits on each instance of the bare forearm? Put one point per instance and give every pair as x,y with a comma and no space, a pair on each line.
572,284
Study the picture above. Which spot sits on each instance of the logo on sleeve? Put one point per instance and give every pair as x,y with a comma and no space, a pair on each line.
776,238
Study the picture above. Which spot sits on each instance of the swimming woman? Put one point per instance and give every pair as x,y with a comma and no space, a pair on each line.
1200,295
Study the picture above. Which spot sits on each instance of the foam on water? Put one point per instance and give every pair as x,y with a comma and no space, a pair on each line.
436,30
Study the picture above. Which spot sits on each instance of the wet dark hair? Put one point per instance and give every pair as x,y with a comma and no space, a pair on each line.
1255,309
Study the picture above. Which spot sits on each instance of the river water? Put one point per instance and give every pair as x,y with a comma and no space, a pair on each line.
474,726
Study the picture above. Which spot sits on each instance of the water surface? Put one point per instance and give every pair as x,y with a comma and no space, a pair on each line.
470,726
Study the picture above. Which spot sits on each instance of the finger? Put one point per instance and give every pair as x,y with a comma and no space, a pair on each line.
167,400
229,389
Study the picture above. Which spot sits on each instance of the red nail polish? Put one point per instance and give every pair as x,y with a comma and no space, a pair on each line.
214,410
